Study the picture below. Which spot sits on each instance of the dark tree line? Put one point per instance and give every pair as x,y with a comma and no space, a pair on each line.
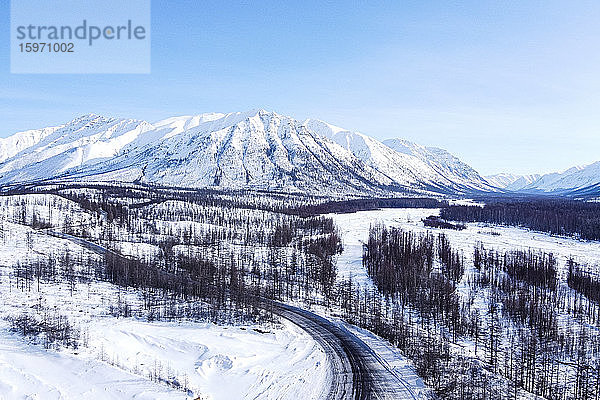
100,196
583,281
436,222
452,262
425,342
401,263
519,343
559,217
354,205
142,195
398,261
537,268
544,357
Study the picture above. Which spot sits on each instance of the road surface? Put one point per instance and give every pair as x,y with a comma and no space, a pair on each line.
357,372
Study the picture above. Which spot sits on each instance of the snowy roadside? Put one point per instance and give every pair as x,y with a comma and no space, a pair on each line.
393,359
355,231
120,358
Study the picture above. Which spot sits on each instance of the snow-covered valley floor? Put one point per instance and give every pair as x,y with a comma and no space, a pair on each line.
133,358
355,231
125,358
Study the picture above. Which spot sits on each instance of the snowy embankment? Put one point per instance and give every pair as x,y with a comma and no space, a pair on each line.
122,358
214,362
31,372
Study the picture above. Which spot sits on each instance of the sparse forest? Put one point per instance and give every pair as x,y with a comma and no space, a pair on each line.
212,260
559,217
518,340
486,325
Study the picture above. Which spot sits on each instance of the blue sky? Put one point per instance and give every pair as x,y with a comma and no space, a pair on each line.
506,86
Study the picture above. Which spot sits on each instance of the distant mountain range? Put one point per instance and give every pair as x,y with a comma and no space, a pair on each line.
511,182
256,150
576,181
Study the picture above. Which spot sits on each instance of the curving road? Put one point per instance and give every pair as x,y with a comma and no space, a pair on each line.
358,373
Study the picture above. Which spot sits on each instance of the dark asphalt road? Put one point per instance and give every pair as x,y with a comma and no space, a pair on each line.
357,372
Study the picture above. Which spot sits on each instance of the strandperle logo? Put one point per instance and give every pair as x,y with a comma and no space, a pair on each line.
85,31
80,36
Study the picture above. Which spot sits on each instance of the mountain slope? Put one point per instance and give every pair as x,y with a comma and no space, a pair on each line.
20,141
255,149
404,162
370,151
450,171
86,139
577,180
574,178
511,181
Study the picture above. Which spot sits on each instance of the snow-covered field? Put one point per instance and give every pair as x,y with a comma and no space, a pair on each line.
124,358
214,362
134,358
355,231
30,372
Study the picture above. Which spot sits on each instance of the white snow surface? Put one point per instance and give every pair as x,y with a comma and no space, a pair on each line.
510,181
214,362
577,177
574,178
355,232
253,149
218,362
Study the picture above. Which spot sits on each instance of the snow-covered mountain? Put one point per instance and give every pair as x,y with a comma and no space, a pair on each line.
511,182
52,151
255,149
574,178
22,140
448,168
580,179
406,163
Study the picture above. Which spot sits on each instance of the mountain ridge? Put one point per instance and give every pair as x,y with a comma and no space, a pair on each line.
255,149
573,180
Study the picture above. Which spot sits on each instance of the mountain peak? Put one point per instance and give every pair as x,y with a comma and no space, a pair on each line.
256,112
94,118
259,111
324,128
508,181
257,148
87,118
